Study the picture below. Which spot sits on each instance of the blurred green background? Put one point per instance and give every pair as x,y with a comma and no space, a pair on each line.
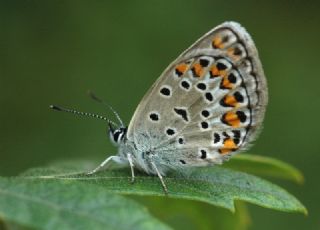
54,51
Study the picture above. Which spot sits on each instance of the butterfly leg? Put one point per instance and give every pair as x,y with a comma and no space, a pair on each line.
114,158
131,166
160,177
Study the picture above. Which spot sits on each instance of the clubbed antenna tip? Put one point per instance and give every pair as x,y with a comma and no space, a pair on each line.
55,107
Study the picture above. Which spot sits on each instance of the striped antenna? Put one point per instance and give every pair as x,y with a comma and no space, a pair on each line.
59,108
97,99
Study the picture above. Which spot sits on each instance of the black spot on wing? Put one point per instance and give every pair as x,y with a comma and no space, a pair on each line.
165,91
170,132
202,86
237,51
209,97
225,134
204,62
238,97
180,140
225,39
236,140
179,73
221,66
182,112
185,85
154,117
203,154
242,116
205,113
204,125
216,138
236,133
232,78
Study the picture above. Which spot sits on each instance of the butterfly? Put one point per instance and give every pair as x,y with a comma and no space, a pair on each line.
206,106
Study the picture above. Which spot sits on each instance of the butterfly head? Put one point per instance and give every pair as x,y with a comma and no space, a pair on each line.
116,133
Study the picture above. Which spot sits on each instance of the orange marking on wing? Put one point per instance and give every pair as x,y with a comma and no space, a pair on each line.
224,151
230,51
198,70
217,43
226,83
230,100
216,73
182,68
223,73
231,54
228,146
232,119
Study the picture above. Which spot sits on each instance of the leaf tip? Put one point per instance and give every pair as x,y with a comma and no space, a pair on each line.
305,211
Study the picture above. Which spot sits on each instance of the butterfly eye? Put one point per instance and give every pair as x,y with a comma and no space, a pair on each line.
112,138
117,135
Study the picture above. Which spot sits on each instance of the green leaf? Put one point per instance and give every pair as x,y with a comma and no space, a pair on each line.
67,204
179,215
214,185
265,166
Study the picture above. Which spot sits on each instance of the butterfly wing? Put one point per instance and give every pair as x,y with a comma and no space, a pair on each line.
208,104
